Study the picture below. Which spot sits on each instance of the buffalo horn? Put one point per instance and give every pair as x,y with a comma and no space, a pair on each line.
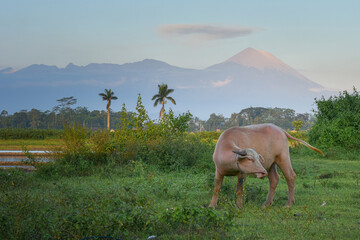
241,153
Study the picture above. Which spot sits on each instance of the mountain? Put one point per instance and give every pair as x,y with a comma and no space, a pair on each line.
266,62
249,78
261,60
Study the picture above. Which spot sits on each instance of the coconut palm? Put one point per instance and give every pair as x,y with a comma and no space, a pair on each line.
108,96
160,98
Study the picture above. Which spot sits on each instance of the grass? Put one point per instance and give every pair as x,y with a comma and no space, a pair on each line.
136,201
31,144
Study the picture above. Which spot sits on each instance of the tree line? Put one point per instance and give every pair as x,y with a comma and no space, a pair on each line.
97,119
63,113
282,117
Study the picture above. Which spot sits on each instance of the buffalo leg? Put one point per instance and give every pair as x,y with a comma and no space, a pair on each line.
274,177
218,182
240,190
289,174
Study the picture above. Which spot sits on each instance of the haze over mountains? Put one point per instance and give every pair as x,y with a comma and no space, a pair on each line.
250,78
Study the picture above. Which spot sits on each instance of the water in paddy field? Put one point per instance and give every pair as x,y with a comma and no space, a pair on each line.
7,156
19,151
21,158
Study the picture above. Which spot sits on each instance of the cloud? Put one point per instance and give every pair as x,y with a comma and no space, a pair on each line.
222,83
324,89
206,32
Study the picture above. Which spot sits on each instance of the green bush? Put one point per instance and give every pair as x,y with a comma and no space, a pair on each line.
165,144
338,122
82,151
179,152
211,135
168,151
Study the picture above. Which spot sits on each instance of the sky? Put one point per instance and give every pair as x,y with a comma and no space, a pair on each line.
320,38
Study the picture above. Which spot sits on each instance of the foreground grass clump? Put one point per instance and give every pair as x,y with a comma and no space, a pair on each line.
138,200
124,204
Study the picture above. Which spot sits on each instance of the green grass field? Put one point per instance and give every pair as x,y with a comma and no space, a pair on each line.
31,144
136,201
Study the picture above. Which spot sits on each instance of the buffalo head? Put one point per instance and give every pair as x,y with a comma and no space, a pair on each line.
249,162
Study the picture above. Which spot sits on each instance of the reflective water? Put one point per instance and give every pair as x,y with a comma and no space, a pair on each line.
4,158
19,151
16,156
20,158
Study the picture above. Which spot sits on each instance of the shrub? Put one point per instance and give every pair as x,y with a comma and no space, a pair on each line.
82,150
297,125
169,152
338,121
165,144
212,135
178,152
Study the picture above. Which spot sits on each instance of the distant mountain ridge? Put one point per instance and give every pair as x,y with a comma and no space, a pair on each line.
249,78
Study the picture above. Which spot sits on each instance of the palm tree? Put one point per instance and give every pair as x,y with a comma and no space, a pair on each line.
160,98
108,96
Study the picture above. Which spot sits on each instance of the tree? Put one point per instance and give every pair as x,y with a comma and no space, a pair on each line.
3,116
141,118
215,122
125,118
81,115
35,117
64,108
160,98
66,102
196,125
20,119
177,124
108,96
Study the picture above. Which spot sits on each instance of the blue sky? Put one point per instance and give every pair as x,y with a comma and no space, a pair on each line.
318,38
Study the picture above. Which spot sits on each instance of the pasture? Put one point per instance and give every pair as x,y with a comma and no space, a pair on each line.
138,200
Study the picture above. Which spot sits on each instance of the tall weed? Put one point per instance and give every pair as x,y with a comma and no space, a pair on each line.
82,150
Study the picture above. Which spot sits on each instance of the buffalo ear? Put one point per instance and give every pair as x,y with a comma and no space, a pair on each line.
261,158
241,153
